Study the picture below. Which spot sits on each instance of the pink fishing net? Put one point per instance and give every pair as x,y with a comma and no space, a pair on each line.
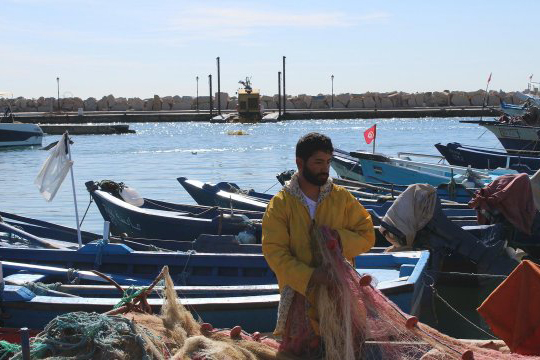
356,321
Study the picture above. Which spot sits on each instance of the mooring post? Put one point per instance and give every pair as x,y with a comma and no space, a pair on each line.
279,92
210,85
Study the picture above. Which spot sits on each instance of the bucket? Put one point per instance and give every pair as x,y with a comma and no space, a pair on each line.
80,111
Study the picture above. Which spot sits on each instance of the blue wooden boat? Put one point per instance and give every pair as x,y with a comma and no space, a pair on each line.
20,231
378,168
463,155
216,195
225,194
159,220
398,275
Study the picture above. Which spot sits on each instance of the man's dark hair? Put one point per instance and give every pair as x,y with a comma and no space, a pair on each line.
310,143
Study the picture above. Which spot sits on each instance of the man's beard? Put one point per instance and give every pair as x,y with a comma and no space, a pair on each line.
315,179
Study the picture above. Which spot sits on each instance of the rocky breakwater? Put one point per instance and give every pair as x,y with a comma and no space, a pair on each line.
369,100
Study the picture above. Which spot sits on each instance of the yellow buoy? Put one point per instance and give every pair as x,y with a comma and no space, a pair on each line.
237,132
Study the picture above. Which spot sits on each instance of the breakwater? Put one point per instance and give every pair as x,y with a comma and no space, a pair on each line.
369,100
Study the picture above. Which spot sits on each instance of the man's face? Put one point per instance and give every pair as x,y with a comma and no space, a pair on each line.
316,169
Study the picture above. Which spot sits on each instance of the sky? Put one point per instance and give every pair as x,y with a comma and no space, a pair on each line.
141,48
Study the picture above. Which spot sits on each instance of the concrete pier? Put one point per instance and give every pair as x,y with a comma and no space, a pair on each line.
108,117
86,129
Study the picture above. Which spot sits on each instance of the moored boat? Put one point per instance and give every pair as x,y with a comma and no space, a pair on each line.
152,219
399,276
479,158
453,182
19,134
512,136
229,195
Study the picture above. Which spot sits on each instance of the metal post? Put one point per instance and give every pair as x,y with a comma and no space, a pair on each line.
218,88
197,98
332,77
284,92
210,85
25,343
279,92
58,93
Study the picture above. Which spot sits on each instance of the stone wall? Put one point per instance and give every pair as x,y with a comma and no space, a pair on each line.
369,100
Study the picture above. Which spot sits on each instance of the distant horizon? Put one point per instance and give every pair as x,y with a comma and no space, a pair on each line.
137,49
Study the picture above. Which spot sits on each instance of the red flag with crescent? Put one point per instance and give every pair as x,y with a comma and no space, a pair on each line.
370,134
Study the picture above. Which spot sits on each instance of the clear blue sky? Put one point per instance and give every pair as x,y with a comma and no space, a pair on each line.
141,48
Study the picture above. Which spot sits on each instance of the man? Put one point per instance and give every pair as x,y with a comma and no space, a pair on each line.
309,199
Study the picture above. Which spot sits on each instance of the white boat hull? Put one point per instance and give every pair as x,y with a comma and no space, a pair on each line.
17,134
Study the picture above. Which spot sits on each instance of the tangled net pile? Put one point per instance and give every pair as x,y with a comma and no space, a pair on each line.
358,322
174,334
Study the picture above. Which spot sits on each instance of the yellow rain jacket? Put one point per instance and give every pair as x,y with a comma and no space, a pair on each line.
286,230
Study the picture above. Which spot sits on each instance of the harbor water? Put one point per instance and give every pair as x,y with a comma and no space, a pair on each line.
152,159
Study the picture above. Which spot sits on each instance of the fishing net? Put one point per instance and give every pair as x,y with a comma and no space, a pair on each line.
356,321
349,320
173,334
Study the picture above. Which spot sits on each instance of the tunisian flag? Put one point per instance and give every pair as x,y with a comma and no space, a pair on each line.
370,134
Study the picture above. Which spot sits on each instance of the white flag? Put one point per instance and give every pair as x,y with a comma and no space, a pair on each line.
54,170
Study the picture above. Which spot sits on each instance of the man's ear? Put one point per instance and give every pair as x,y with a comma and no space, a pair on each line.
299,163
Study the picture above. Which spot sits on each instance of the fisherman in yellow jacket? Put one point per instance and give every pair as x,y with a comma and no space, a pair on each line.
309,199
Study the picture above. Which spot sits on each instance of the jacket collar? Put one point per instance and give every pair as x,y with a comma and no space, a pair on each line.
293,187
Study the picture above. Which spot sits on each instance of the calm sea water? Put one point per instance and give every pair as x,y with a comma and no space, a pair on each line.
158,153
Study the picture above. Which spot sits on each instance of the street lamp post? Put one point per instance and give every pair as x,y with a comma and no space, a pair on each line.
284,92
58,93
197,98
332,77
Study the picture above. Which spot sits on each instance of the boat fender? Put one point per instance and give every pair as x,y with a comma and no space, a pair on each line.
131,196
256,336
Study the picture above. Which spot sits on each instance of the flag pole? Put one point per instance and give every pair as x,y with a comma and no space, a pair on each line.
485,95
79,238
374,138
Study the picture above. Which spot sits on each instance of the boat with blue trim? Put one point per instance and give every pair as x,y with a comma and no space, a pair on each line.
480,158
453,182
254,307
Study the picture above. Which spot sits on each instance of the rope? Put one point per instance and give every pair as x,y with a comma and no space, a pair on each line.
80,333
73,276
99,254
40,288
86,212
183,276
480,276
129,294
436,294
7,348
264,192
